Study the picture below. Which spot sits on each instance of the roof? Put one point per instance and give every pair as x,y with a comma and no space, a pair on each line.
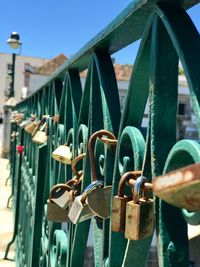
122,72
51,66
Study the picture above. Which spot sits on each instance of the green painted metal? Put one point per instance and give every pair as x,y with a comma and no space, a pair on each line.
83,111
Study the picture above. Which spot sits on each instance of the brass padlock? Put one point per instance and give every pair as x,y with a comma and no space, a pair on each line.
139,222
37,127
40,135
63,154
180,188
19,117
29,128
31,124
54,212
119,203
62,195
24,123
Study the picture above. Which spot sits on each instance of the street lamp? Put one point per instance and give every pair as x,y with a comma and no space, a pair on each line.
14,42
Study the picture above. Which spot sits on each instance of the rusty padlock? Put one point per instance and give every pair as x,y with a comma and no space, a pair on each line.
180,188
63,194
54,212
119,202
139,222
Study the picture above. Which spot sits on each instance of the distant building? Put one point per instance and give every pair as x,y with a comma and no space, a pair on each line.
37,76
30,72
21,79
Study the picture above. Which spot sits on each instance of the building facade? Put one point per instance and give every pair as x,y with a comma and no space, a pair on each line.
21,75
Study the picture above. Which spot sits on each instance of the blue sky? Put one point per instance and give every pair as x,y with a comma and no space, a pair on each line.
48,27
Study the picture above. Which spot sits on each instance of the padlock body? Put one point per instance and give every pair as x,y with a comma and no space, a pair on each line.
119,213
139,219
64,200
180,188
30,127
40,137
99,200
56,213
62,154
79,212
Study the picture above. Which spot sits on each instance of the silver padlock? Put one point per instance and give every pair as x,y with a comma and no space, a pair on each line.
79,210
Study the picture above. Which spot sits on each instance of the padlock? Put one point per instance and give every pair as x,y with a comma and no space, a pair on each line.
78,174
119,202
63,154
62,195
60,199
139,222
99,199
38,125
18,117
180,188
30,127
79,210
40,135
24,123
56,213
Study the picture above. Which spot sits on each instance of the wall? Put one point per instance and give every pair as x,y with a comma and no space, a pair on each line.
19,73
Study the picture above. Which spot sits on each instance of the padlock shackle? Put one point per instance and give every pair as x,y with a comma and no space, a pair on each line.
42,121
74,164
138,187
91,144
90,188
125,178
33,117
56,187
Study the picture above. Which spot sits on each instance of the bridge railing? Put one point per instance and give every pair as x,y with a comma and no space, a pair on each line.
167,35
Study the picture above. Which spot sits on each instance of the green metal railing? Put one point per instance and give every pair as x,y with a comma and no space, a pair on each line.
83,111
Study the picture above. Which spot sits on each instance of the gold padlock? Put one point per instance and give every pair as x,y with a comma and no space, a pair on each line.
180,188
31,126
119,202
139,222
63,154
40,135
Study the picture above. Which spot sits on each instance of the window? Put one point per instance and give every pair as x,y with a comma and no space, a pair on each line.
181,109
9,69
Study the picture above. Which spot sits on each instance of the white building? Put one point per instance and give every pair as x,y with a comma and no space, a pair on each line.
21,79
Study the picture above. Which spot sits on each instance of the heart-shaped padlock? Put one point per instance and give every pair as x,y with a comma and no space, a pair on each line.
99,201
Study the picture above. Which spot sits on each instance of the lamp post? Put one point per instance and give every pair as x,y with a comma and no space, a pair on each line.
14,42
